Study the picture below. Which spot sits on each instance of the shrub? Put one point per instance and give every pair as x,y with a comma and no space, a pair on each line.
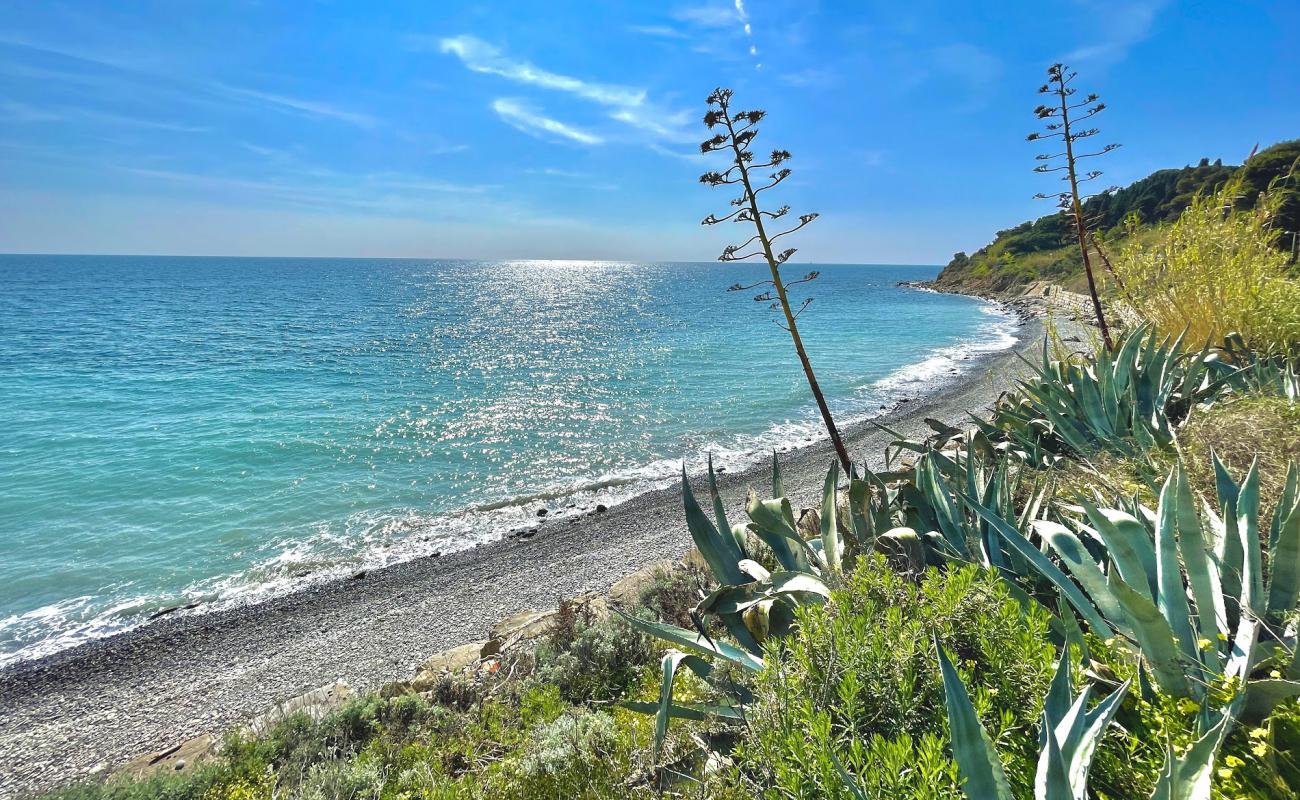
587,658
858,683
1213,272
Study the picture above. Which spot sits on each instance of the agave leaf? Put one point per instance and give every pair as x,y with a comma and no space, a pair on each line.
736,599
1188,777
1129,545
1202,574
754,570
983,777
1046,568
720,552
671,661
1285,504
1264,694
1252,580
846,778
771,523
1284,560
692,711
778,486
1172,598
831,546
696,642
1155,637
1096,721
720,510
1052,781
1076,557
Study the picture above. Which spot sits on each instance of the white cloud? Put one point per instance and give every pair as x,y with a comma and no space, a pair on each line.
710,16
624,103
523,118
1122,26
663,31
480,56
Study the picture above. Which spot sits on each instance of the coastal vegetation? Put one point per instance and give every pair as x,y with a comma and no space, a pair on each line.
1091,592
1042,250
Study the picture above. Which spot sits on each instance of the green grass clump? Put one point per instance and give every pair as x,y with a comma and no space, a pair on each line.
859,683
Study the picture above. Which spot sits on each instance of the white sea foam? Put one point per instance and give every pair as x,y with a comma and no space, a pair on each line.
375,541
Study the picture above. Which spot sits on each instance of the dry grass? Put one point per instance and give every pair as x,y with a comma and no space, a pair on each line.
1212,273
1239,431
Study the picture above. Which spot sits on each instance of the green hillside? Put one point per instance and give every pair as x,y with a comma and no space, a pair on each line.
1042,249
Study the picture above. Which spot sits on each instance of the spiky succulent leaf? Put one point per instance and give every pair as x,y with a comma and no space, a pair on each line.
983,777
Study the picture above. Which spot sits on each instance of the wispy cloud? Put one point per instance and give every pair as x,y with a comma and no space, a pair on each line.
717,16
624,104
310,108
709,16
1122,26
662,31
110,71
521,117
480,56
809,77
21,112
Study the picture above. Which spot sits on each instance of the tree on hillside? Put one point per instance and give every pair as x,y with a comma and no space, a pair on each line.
1059,125
739,133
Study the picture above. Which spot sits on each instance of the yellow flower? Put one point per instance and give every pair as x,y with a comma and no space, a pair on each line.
1260,749
1258,733
1233,761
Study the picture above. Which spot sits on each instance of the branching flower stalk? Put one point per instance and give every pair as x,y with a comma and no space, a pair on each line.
1058,124
740,133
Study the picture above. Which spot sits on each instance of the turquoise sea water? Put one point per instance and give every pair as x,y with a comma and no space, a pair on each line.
214,430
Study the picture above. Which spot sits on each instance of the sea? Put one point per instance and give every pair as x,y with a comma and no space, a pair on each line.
180,434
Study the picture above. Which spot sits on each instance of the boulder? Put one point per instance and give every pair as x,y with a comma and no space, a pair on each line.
448,662
315,704
524,626
180,757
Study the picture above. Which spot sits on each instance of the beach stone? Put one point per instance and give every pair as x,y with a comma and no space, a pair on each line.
524,626
439,666
315,704
177,758
601,508
629,589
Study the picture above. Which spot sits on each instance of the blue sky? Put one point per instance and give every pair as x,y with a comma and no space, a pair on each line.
570,129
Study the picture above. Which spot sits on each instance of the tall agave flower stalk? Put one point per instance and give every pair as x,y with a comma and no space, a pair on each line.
1058,124
739,132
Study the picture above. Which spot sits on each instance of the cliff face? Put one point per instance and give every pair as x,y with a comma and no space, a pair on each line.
1042,249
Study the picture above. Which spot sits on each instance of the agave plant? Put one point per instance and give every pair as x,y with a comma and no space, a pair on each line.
1268,375
1188,588
753,603
1067,740
1127,401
